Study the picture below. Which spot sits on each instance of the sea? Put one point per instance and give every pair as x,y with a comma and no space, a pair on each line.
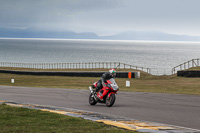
159,56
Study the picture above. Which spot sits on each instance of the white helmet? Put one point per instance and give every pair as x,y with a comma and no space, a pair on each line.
113,72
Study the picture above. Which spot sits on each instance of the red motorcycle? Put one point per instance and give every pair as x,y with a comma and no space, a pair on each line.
106,95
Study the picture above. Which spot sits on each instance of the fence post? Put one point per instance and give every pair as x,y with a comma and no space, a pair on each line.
184,66
192,62
195,63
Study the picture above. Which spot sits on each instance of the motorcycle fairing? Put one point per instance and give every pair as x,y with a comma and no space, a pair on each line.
105,91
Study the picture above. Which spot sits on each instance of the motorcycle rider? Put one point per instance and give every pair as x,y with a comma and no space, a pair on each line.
106,76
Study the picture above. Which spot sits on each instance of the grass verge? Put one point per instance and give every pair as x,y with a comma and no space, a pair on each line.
20,120
194,68
147,83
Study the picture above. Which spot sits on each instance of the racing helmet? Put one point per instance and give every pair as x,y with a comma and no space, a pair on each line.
113,72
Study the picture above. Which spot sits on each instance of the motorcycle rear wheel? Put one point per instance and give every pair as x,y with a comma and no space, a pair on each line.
110,100
92,101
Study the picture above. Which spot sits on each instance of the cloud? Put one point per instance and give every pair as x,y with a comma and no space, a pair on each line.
102,16
48,13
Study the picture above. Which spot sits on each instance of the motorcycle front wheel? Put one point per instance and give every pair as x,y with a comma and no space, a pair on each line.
92,101
110,100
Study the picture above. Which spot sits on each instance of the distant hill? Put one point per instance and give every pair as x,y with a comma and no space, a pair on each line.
131,35
151,35
33,33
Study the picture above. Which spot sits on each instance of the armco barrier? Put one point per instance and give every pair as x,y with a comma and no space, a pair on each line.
72,74
188,73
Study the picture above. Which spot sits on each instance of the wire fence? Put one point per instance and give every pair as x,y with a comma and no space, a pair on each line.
186,65
103,65
88,65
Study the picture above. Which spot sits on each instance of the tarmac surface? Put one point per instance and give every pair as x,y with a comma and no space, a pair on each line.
172,109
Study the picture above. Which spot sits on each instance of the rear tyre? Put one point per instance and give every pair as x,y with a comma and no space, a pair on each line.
92,101
110,100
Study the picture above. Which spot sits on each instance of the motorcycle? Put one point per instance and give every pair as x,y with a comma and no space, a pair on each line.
106,95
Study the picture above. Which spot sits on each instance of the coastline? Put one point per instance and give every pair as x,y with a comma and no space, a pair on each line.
105,40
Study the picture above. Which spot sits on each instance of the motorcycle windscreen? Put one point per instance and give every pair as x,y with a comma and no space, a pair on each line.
113,84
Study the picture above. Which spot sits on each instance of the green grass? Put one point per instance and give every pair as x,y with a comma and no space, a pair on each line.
166,84
22,120
147,83
194,68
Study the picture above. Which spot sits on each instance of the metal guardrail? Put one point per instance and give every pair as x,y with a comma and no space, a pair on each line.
186,65
88,65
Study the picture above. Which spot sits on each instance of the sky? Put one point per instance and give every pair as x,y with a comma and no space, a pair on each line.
103,17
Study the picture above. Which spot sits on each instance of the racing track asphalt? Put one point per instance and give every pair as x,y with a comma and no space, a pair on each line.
172,109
